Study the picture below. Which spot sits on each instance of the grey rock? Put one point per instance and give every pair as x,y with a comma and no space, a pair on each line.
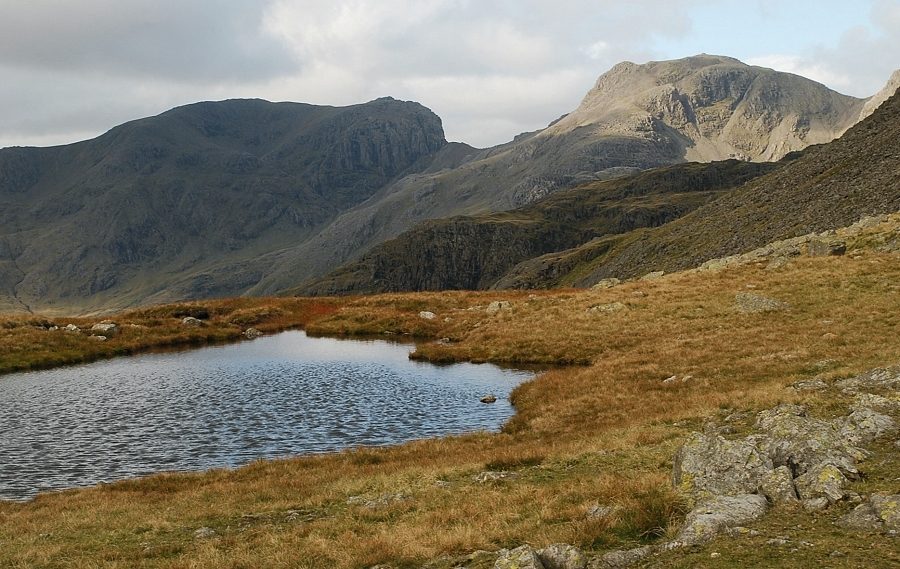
864,425
609,308
607,283
752,303
720,513
600,511
498,306
72,328
205,533
380,501
876,379
825,247
494,476
426,315
620,558
523,557
709,465
887,508
799,442
822,481
815,505
99,338
252,333
778,486
653,276
562,556
191,322
488,399
863,517
105,328
814,384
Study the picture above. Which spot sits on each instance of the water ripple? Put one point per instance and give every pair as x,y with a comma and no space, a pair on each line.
225,406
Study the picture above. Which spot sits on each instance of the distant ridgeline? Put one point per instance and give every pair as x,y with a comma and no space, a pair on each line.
250,197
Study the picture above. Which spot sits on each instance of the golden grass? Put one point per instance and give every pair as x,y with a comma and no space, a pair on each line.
602,432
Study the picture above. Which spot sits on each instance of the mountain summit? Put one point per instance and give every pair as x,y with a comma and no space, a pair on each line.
711,107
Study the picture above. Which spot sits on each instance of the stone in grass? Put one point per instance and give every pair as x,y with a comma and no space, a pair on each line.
524,557
778,486
721,513
620,558
607,283
205,533
709,465
880,512
822,481
427,315
752,303
191,322
498,306
562,556
252,333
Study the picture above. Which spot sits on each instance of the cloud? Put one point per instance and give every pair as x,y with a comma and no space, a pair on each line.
490,68
861,61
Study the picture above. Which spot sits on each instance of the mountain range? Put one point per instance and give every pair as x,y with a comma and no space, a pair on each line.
250,197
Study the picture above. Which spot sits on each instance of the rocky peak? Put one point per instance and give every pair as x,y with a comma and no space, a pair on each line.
713,107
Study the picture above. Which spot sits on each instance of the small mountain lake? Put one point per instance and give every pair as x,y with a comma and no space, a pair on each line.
224,406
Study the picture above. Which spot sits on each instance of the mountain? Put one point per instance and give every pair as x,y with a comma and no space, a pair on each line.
115,220
473,252
251,197
828,187
637,117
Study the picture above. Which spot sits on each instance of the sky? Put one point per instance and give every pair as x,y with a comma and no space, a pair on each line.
72,69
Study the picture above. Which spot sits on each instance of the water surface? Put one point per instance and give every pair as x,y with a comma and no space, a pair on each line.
224,406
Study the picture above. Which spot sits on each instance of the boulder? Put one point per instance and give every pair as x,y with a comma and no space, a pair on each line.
876,379
99,338
864,425
426,315
606,283
523,557
251,333
620,558
488,399
752,303
704,522
778,486
72,328
105,328
562,556
653,276
799,442
879,512
822,481
826,247
708,465
191,322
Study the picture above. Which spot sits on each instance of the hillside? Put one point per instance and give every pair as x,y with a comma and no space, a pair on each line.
470,253
587,460
829,186
119,219
701,108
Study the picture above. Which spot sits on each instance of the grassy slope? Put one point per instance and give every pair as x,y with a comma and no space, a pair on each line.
598,433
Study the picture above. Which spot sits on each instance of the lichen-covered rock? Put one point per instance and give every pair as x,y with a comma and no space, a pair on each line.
815,384
191,322
864,425
822,481
799,442
427,315
562,556
876,379
705,521
778,486
880,512
523,557
826,246
709,465
606,283
252,333
620,558
609,308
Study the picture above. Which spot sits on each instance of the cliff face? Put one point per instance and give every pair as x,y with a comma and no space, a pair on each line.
475,252
116,220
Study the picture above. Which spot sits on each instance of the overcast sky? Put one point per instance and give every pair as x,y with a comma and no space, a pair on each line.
72,69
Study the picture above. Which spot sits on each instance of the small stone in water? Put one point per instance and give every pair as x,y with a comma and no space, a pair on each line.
489,399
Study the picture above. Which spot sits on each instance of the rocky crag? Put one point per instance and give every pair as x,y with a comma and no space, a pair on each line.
149,210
